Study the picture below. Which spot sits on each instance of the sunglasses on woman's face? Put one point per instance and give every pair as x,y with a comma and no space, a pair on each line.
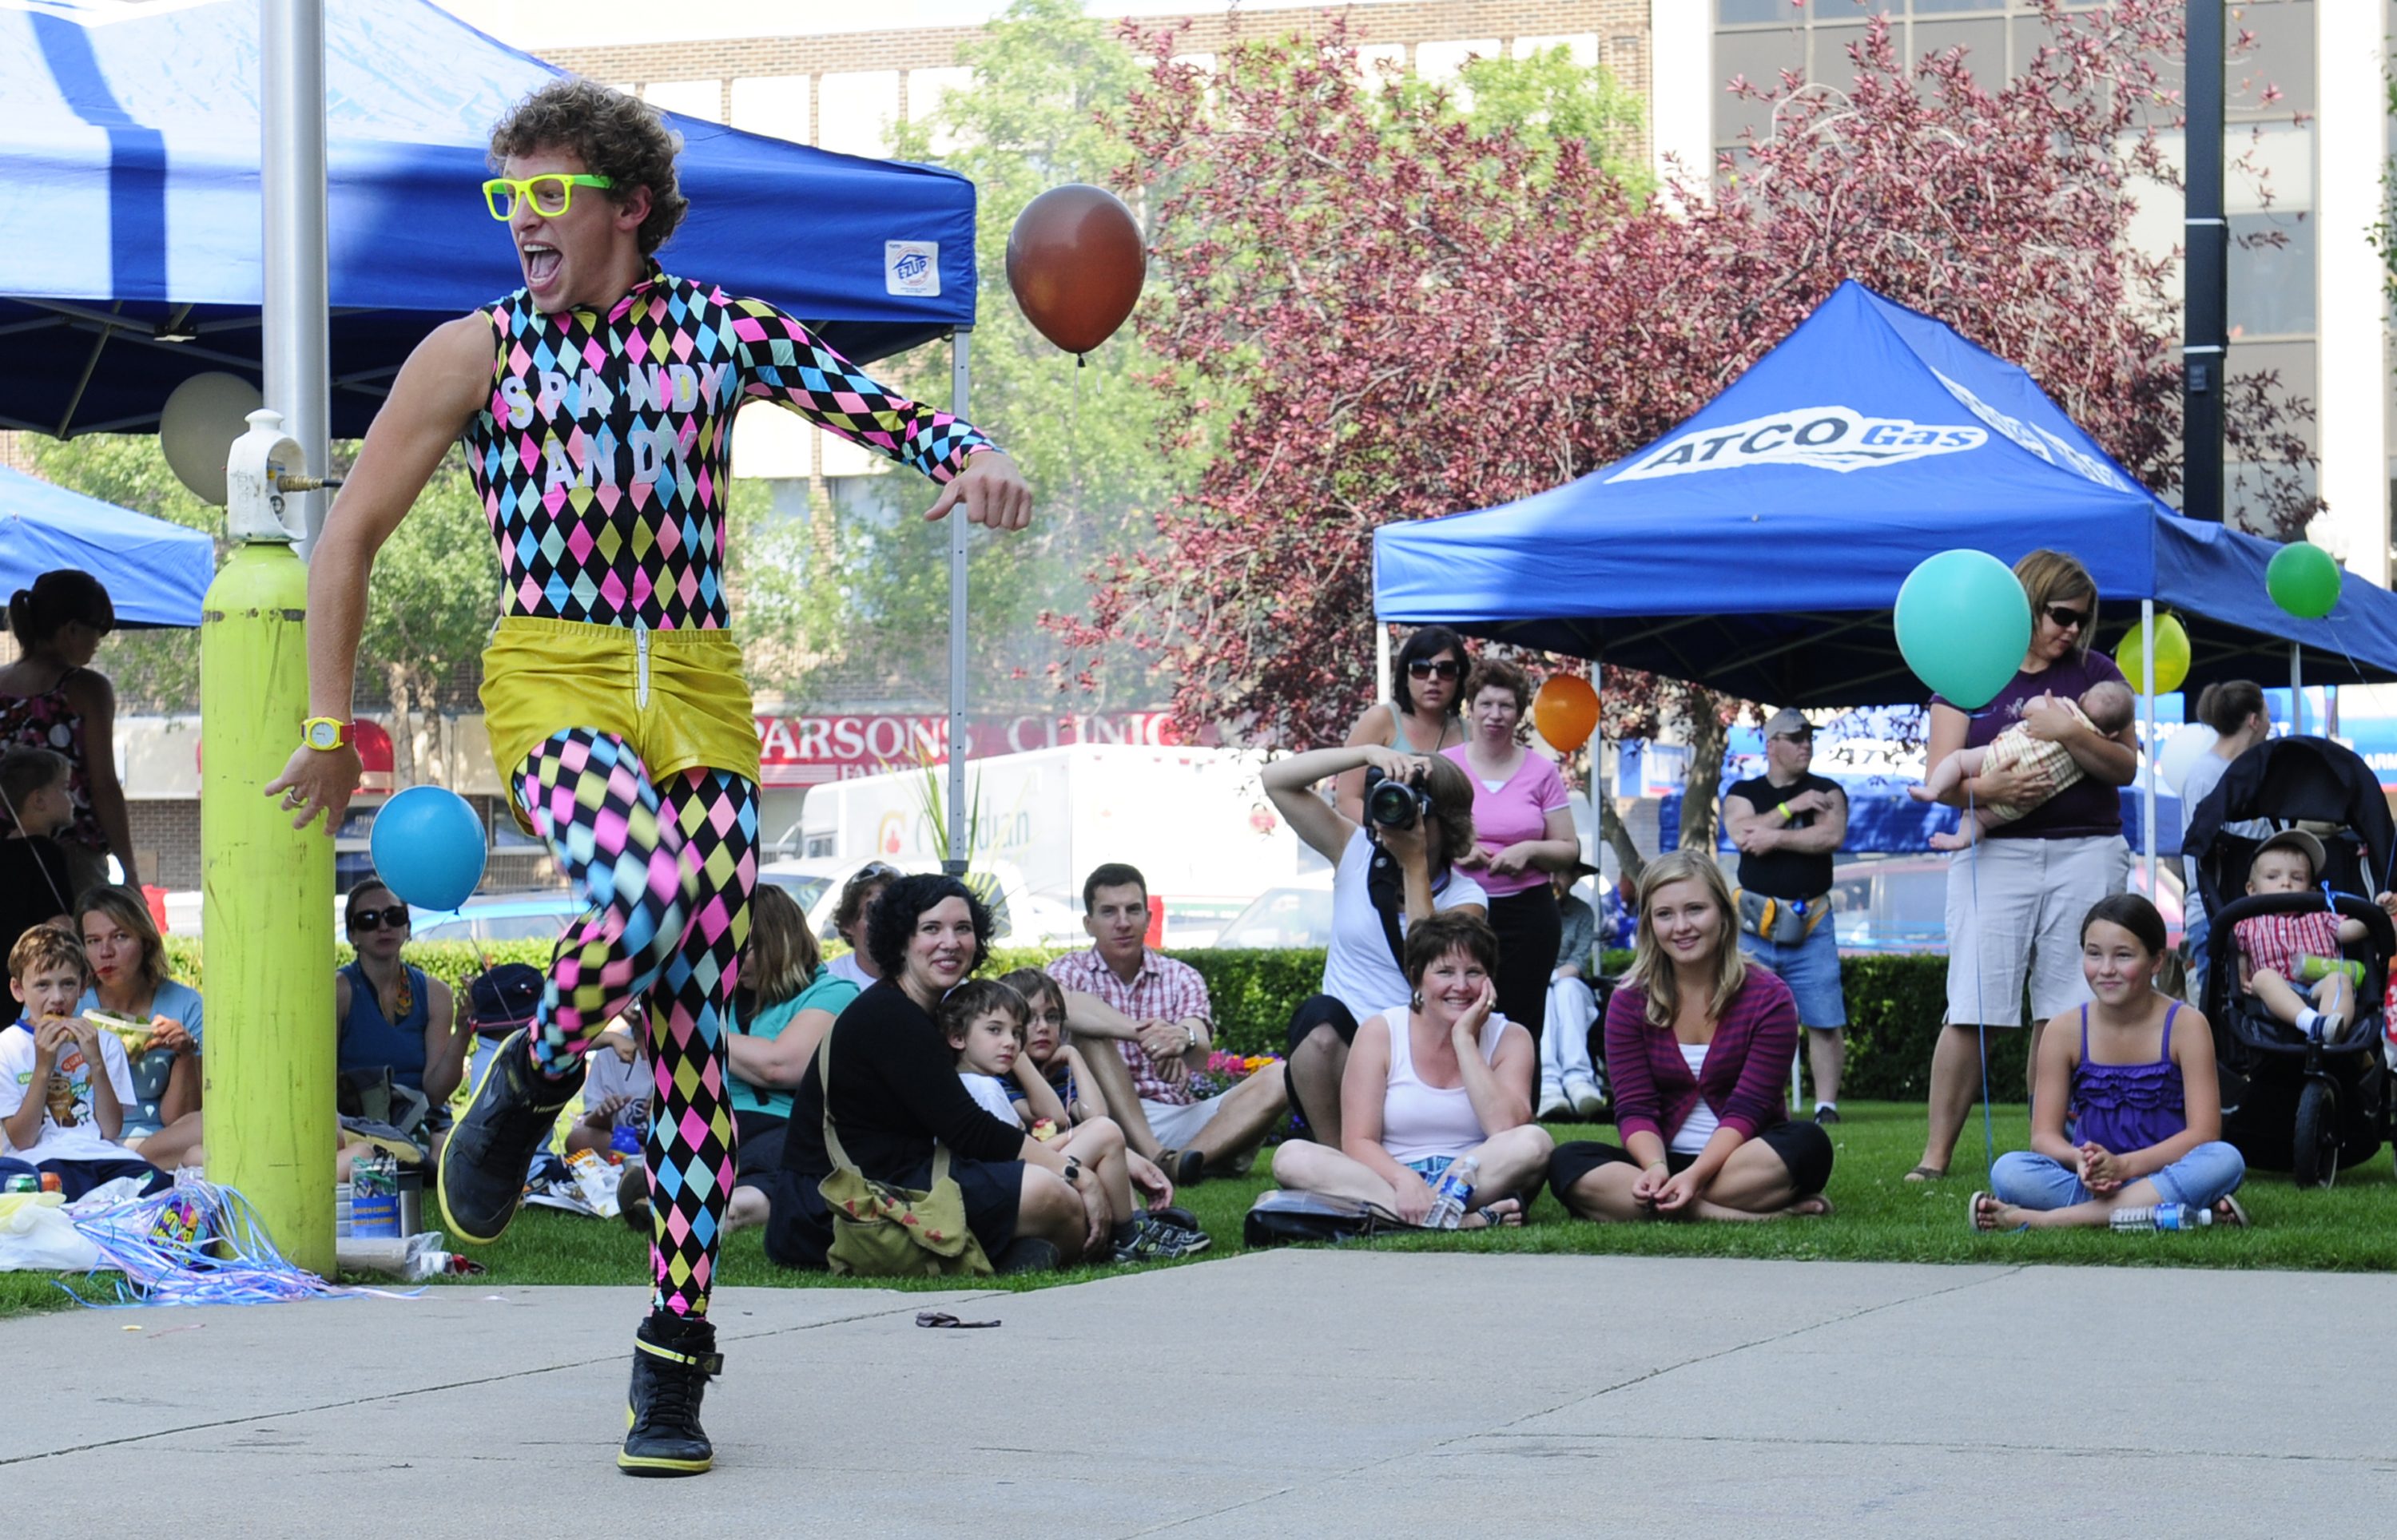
2066,617
394,917
1427,668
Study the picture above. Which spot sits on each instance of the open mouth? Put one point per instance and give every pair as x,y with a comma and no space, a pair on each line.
540,263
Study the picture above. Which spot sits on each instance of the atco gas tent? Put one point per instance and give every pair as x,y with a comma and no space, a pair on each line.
156,572
132,207
1758,548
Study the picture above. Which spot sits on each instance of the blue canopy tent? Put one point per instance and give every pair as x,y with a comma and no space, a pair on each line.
133,203
1758,548
156,572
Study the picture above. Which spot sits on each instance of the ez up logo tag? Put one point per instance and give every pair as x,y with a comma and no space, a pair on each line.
912,267
1829,438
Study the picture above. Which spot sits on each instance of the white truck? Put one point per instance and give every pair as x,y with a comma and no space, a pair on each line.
1195,821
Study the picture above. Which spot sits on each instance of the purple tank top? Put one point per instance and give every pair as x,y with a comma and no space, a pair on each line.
2128,1107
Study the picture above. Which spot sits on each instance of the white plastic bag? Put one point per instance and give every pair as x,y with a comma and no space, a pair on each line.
36,1236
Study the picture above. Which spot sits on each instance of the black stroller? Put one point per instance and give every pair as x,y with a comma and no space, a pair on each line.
2288,1103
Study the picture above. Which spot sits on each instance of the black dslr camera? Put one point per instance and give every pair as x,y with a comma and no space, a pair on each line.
1393,803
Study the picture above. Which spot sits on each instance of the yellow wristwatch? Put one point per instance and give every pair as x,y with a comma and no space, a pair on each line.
324,733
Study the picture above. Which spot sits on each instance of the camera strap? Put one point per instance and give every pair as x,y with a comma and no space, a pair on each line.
1386,884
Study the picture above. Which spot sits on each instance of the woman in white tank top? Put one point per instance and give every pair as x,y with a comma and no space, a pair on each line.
1427,1081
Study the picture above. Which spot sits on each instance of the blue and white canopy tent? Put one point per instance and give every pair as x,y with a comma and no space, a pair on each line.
1758,548
156,572
132,201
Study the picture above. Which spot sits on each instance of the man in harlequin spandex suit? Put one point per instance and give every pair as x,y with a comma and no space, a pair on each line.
595,408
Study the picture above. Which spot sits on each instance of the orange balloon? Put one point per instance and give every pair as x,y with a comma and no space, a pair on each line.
1565,711
1075,262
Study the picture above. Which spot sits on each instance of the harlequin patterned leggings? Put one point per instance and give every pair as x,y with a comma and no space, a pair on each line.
668,872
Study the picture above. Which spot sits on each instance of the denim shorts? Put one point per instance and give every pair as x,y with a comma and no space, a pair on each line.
1811,969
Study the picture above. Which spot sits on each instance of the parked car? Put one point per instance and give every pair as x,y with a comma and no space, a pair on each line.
541,915
1294,914
1024,918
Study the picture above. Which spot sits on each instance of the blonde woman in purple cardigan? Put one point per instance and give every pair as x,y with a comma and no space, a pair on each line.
1698,1046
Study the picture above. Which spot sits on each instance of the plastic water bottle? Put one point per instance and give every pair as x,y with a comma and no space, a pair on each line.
2312,969
2162,1217
1452,1192
626,1140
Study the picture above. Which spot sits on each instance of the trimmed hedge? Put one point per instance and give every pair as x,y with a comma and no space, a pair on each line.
1895,1002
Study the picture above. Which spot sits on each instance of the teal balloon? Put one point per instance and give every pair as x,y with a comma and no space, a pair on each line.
1964,626
2303,580
428,847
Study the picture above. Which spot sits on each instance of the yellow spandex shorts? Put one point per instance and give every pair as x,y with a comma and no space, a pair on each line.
677,697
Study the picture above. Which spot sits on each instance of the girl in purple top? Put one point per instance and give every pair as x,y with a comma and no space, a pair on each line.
2015,900
1521,831
2127,1109
1698,1046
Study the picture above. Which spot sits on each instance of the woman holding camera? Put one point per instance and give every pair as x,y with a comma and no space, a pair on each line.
1394,867
1422,717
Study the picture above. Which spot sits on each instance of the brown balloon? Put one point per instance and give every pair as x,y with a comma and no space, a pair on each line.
1075,262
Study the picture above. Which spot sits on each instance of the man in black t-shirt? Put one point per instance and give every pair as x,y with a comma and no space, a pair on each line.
33,882
1786,824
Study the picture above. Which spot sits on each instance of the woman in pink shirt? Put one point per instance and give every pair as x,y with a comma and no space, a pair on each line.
1522,830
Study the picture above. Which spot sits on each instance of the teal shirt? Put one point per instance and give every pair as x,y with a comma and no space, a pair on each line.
825,994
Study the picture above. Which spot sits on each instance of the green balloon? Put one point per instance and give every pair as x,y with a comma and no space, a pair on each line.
2303,580
1964,626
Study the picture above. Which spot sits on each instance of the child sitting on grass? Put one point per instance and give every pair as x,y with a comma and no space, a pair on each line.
1050,1075
2272,946
616,1087
65,1082
987,1022
2106,706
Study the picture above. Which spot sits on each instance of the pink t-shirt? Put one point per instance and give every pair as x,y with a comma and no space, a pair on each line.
1516,811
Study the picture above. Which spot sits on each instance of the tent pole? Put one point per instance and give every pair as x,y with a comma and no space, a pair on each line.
958,852
297,364
2148,698
1382,683
2297,691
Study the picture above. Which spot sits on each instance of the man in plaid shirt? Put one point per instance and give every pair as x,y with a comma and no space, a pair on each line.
1154,1010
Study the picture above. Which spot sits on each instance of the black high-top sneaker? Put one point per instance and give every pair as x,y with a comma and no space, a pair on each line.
672,1363
509,1121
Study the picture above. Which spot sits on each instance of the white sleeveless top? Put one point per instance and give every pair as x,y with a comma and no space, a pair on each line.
1420,1121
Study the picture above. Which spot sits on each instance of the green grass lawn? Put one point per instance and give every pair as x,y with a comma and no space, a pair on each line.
1881,1218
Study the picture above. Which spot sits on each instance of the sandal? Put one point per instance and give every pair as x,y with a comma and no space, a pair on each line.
1973,1216
2231,1211
1928,1174
1506,1211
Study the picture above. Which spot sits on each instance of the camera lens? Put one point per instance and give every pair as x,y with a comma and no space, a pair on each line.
1392,805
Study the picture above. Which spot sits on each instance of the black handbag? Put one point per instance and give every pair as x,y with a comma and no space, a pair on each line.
1281,1219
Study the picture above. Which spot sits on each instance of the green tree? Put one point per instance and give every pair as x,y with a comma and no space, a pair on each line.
436,589
1098,445
152,670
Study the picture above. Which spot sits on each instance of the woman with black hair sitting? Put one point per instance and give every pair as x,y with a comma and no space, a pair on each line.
895,1094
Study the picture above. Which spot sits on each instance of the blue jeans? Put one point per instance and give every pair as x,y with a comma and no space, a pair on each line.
2032,1181
1811,969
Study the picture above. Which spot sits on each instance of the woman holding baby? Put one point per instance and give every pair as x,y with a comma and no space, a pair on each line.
2016,897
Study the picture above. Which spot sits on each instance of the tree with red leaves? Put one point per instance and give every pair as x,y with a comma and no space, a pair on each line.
1378,310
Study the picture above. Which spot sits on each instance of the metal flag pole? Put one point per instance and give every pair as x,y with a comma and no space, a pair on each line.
959,854
268,906
2147,699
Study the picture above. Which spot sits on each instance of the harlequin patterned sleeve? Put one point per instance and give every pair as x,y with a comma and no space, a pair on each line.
780,360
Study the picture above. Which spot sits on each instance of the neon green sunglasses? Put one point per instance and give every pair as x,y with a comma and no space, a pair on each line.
551,194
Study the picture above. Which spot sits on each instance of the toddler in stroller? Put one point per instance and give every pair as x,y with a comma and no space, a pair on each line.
2294,964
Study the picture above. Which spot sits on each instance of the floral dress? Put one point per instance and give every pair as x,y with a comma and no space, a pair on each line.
46,721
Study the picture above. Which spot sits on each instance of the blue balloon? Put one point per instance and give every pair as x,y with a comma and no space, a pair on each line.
1964,626
428,847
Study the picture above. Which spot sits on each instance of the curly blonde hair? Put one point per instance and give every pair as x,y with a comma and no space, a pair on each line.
615,135
1651,970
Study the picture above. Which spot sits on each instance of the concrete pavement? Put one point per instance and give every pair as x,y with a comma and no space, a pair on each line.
1329,1394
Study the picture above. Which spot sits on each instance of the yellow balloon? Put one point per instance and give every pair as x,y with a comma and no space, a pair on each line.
2172,655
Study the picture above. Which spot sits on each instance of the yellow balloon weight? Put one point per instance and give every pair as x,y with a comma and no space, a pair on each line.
2172,655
